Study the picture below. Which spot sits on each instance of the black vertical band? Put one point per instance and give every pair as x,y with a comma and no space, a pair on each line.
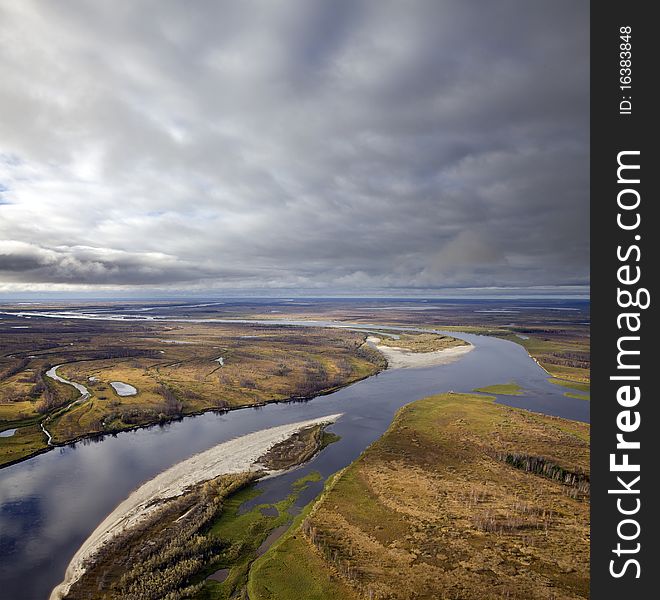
625,360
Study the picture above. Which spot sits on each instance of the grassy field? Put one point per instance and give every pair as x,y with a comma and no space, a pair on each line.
580,387
177,369
27,440
165,553
561,353
422,342
186,540
579,391
504,389
577,395
291,568
461,499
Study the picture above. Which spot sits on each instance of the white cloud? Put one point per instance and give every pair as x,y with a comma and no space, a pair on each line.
258,144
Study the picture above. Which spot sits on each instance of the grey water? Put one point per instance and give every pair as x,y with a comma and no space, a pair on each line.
52,373
123,389
52,502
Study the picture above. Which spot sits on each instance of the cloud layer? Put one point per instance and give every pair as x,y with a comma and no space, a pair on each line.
322,145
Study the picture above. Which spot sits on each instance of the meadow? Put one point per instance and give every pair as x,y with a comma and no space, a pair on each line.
177,370
461,498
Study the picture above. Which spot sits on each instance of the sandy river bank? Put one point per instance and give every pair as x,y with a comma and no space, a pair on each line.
234,456
400,358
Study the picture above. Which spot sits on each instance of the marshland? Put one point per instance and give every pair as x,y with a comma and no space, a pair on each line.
55,500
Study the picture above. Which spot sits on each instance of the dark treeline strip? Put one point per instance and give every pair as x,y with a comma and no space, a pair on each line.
538,465
14,369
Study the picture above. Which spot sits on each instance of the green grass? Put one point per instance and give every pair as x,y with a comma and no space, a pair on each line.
579,391
545,347
244,533
18,413
327,438
281,364
577,395
25,442
502,389
290,569
581,387
410,517
301,484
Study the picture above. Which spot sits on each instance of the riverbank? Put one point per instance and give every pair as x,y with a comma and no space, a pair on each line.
562,352
28,439
171,381
20,448
249,454
461,497
403,358
405,351
412,355
67,493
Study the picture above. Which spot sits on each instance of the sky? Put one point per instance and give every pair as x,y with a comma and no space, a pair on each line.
333,146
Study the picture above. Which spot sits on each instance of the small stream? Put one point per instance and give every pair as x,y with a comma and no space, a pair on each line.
84,395
52,373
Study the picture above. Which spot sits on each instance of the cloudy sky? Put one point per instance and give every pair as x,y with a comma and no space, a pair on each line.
321,145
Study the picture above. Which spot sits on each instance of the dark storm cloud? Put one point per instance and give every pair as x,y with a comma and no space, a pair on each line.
330,145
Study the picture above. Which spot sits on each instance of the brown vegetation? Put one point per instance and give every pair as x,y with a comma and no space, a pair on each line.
161,557
174,367
299,448
422,342
460,499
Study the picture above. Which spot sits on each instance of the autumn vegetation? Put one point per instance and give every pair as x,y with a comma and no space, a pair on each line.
461,499
170,554
174,367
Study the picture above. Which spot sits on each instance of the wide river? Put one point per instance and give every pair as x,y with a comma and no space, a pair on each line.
51,503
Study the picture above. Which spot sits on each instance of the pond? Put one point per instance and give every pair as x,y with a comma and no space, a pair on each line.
123,389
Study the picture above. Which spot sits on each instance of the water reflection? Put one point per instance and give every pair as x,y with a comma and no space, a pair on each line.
51,503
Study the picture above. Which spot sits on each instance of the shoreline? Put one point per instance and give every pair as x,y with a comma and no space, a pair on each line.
241,454
451,355
401,358
95,435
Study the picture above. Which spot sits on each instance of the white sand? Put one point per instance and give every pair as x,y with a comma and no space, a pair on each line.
400,358
235,456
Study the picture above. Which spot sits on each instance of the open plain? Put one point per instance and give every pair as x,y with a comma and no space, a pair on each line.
462,497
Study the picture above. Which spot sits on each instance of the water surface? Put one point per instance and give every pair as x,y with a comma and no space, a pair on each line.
51,503
123,389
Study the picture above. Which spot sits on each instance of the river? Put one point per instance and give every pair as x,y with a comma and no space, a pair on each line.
52,502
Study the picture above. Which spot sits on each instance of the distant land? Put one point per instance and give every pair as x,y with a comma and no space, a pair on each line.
511,482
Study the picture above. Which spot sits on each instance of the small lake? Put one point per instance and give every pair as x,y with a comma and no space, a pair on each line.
8,432
123,389
52,502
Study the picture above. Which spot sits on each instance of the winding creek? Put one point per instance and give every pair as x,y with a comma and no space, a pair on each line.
84,395
51,503
84,392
